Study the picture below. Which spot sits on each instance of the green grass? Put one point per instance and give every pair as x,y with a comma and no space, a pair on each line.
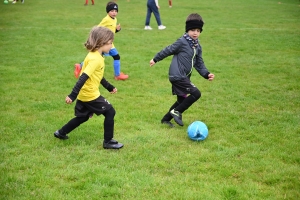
252,108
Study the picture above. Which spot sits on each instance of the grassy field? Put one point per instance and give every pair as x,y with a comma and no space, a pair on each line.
252,108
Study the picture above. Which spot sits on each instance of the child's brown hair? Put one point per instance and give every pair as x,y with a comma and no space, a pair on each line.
194,16
98,37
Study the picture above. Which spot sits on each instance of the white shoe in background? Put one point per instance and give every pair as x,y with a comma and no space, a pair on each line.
161,27
148,28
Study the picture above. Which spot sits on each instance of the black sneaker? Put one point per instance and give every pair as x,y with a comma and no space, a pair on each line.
112,144
177,117
60,136
168,123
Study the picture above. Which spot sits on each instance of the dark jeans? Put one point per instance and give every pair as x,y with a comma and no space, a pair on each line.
151,8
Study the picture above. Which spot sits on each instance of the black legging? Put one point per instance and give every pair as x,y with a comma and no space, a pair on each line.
72,124
182,104
187,102
108,124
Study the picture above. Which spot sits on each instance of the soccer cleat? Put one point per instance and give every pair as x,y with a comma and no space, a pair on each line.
60,136
168,123
122,76
177,117
148,28
77,70
161,27
112,144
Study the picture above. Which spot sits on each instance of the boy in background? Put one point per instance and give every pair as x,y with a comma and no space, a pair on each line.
170,3
110,22
152,7
87,2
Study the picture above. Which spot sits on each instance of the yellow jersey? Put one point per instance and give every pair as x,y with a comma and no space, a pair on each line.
93,66
109,23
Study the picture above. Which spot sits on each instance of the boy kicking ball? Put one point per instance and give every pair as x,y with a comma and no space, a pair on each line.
187,54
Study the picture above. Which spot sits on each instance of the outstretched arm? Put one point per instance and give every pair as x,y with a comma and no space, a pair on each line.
167,51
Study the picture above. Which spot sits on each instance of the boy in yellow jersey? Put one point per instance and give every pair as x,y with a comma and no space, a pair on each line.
110,22
86,90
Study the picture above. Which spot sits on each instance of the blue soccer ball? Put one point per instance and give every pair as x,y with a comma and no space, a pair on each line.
197,131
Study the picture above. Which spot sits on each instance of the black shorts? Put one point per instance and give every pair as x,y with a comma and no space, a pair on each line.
97,106
183,87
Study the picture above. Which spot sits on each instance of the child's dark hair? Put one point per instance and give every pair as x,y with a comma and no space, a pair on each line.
193,21
98,37
194,16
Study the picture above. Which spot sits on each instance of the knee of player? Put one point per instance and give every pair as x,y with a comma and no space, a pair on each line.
196,94
111,113
116,57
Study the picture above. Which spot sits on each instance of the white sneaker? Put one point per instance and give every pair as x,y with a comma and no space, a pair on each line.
161,27
14,2
148,28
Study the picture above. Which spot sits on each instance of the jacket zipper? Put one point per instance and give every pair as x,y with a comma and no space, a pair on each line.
192,62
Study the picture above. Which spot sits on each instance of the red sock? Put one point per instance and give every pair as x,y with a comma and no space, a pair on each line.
86,2
93,2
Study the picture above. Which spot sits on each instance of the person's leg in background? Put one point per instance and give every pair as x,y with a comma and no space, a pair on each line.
117,65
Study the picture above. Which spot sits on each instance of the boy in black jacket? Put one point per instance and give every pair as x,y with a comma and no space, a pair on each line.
187,53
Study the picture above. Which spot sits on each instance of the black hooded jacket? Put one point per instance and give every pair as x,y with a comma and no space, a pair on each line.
184,59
